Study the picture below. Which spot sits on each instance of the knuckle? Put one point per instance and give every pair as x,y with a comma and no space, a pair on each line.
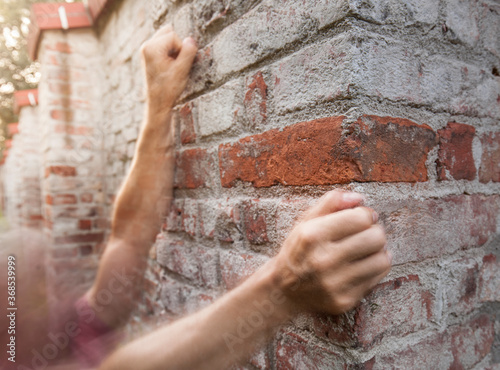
344,303
364,217
306,234
378,235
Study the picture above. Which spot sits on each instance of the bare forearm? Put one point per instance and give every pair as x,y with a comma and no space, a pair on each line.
222,334
147,190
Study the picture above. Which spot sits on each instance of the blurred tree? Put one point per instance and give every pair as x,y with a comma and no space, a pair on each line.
17,71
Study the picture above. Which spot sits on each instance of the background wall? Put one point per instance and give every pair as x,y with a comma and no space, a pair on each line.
399,100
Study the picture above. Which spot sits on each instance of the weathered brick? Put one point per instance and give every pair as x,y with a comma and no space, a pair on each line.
470,343
186,123
219,111
60,199
459,347
381,315
322,152
194,263
255,101
235,266
85,224
431,352
194,169
490,160
268,28
417,230
62,115
460,286
60,171
87,198
255,222
60,88
316,74
455,159
180,298
220,220
470,91
397,12
461,19
489,279
296,352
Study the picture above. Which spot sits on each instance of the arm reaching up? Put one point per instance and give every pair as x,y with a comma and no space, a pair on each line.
147,188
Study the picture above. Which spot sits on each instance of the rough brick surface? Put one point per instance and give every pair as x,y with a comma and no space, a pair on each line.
455,158
399,100
322,152
418,230
490,161
395,308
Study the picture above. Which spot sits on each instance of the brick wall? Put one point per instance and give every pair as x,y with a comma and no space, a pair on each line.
72,141
399,100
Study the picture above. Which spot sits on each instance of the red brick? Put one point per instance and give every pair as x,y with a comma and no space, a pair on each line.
85,224
323,152
438,226
60,199
64,171
65,74
460,347
460,280
72,130
8,144
235,267
62,115
173,220
296,352
489,279
86,198
85,250
60,88
221,220
472,342
180,298
381,315
62,47
80,238
194,263
490,160
194,168
254,220
186,123
46,15
455,159
255,101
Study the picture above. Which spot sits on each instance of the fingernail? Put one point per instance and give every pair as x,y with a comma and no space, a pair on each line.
353,197
375,216
189,40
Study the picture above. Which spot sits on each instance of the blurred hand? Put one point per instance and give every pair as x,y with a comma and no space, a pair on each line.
334,257
167,62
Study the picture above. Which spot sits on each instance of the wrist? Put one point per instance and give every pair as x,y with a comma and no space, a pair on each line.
272,292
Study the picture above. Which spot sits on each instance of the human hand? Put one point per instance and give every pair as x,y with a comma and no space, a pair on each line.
334,257
167,62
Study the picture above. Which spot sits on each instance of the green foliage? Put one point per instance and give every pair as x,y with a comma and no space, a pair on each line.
17,71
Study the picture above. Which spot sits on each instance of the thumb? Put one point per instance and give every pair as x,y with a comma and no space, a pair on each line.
186,56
